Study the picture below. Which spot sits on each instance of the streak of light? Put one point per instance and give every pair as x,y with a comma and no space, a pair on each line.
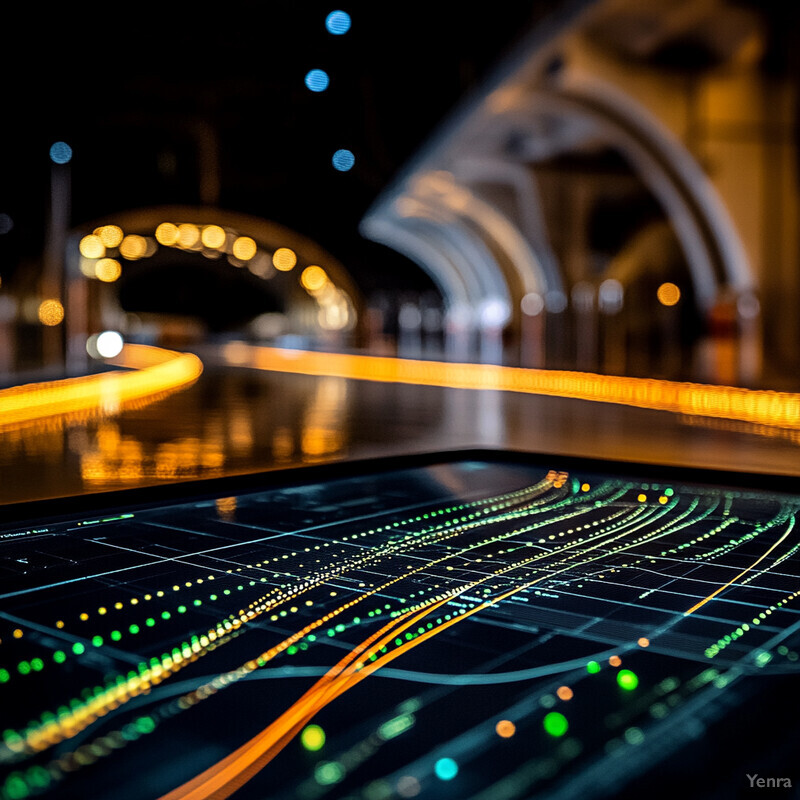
741,574
153,373
771,408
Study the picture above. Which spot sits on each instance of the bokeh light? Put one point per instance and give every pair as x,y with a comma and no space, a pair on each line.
109,344
133,247
338,22
555,724
505,729
284,259
213,236
312,738
188,235
244,248
446,769
60,153
51,312
107,270
532,304
6,224
167,234
343,160
92,246
564,693
317,80
110,235
627,680
668,294
313,278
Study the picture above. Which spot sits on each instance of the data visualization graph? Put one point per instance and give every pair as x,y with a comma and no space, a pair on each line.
487,626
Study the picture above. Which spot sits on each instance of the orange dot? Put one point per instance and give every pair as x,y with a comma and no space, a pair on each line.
644,642
615,661
505,728
564,693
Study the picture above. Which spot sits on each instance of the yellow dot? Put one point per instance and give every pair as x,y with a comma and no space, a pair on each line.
668,294
564,693
167,233
284,259
244,248
644,642
18,633
641,498
118,605
107,270
60,623
615,661
213,236
92,246
505,728
585,487
662,499
313,278
101,610
84,616
51,313
110,235
133,247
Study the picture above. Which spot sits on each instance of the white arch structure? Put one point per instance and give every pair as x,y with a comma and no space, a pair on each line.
448,196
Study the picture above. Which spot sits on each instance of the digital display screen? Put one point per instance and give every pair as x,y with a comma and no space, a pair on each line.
486,626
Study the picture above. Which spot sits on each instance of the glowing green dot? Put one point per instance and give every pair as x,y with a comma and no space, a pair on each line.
555,724
116,635
592,667
165,615
37,664
15,787
97,641
181,609
627,680
4,676
312,738
134,628
328,772
149,622
145,724
78,648
23,668
59,656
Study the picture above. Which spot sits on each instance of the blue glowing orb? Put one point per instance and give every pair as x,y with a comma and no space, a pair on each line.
446,769
343,160
60,153
317,80
337,22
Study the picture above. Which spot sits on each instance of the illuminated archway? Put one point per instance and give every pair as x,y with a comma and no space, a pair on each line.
318,298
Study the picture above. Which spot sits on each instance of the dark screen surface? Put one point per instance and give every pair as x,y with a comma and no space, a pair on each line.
476,625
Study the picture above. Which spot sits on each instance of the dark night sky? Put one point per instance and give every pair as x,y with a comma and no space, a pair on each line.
129,88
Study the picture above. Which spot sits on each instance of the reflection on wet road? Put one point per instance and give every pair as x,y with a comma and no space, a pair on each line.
235,419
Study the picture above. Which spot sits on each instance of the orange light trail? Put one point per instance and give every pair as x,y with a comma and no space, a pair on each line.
741,574
226,776
777,409
154,372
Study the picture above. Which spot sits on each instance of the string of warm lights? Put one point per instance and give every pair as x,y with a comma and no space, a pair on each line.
763,407
151,372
